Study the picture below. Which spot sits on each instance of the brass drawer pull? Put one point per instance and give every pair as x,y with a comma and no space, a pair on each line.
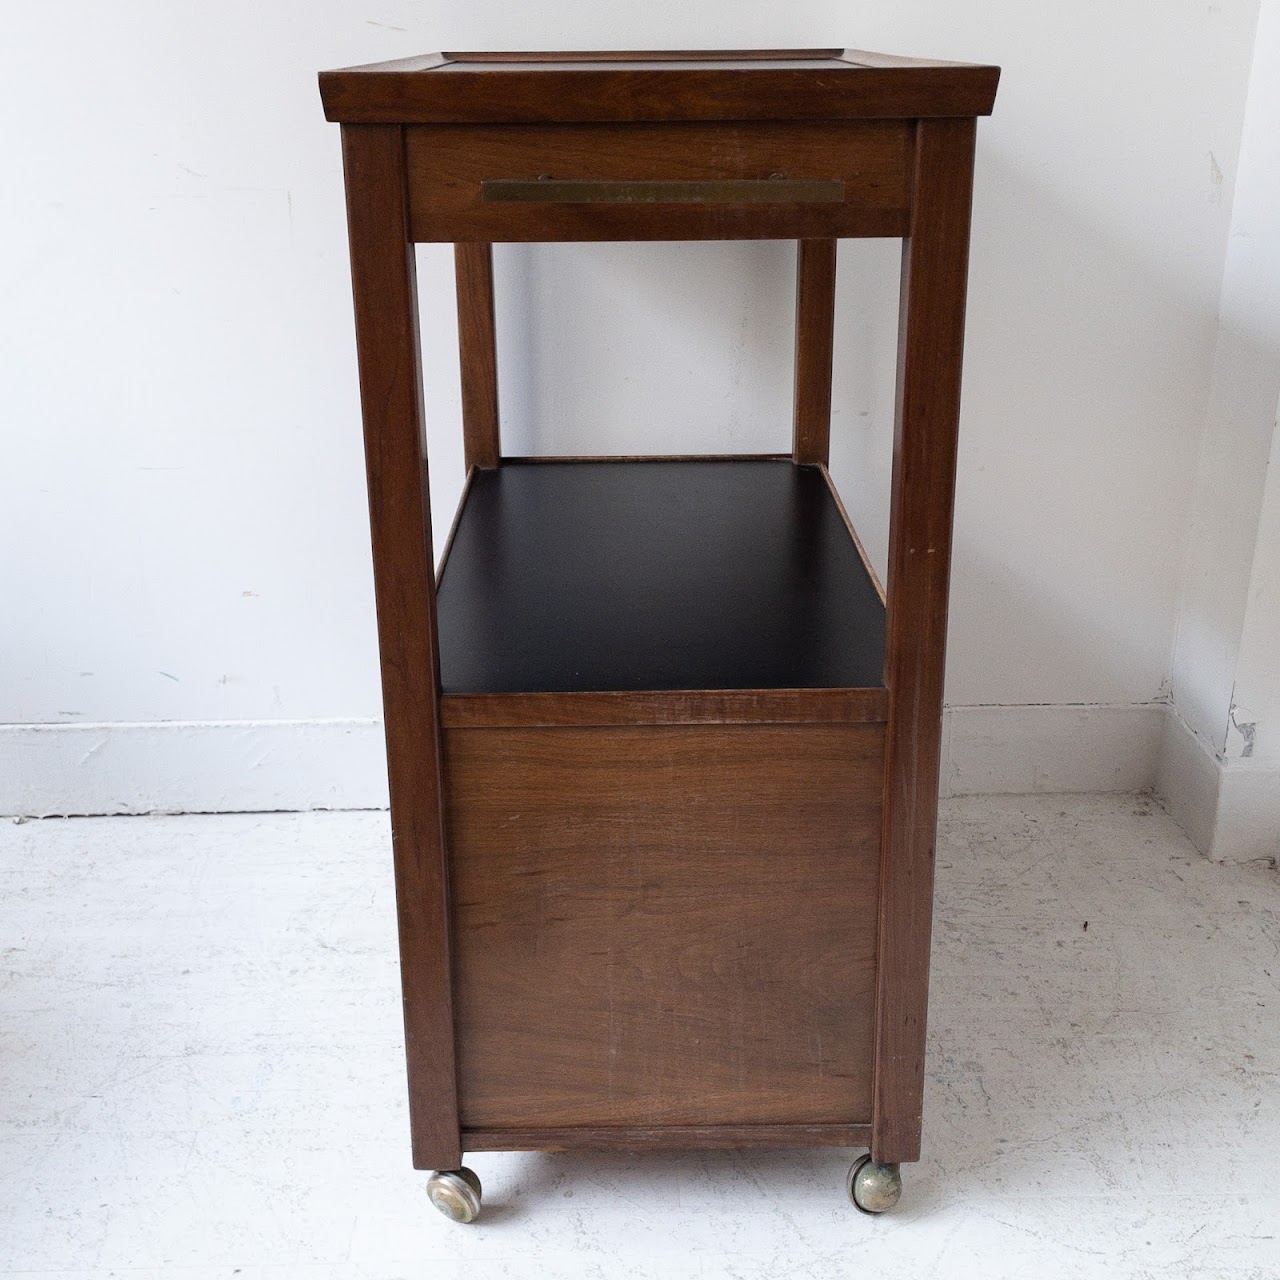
715,191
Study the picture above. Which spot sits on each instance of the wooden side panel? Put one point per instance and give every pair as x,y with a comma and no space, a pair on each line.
386,308
931,342
815,327
478,354
664,926
448,165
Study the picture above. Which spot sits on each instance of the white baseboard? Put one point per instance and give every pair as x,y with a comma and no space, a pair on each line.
183,767
1188,781
1248,828
1025,750
1229,808
246,766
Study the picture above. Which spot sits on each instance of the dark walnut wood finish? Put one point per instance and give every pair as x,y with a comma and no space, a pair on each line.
540,88
384,283
668,1137
478,355
663,752
853,178
666,706
667,925
930,349
815,331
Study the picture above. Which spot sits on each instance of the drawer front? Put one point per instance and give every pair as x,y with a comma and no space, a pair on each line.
664,925
721,181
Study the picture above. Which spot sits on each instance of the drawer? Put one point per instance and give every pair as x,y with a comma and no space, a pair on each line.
664,925
694,181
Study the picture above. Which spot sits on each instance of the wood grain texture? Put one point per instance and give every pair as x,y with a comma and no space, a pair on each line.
743,1137
815,328
675,706
478,354
449,164
804,84
664,926
931,344
384,288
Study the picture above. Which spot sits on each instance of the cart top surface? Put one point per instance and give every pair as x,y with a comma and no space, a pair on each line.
634,85
634,575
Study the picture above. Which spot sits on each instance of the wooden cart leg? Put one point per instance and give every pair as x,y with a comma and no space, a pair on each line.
477,349
384,282
815,325
931,340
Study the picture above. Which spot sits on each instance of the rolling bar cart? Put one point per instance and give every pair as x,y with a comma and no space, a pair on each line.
663,754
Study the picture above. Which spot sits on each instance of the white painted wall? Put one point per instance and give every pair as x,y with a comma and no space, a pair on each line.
1220,770
1253,313
183,506
1240,422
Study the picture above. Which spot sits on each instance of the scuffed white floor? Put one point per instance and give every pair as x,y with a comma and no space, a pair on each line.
201,1073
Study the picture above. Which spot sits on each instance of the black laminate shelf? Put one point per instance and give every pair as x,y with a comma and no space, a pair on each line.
702,574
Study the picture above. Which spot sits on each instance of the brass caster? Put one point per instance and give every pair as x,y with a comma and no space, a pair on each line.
873,1188
456,1193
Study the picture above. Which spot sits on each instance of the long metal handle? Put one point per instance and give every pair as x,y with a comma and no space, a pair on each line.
715,191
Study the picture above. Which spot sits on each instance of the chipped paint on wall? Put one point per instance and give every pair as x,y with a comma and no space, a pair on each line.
1242,730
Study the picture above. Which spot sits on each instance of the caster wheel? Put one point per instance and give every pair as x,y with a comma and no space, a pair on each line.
873,1188
456,1193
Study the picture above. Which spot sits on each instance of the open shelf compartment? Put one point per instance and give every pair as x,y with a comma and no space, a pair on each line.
598,576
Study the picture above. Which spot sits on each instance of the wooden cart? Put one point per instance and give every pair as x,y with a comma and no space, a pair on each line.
663,754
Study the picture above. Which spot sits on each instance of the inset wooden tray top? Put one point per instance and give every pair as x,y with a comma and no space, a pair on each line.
756,84
692,574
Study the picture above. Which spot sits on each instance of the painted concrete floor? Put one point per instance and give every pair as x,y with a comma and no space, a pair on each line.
200,1073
